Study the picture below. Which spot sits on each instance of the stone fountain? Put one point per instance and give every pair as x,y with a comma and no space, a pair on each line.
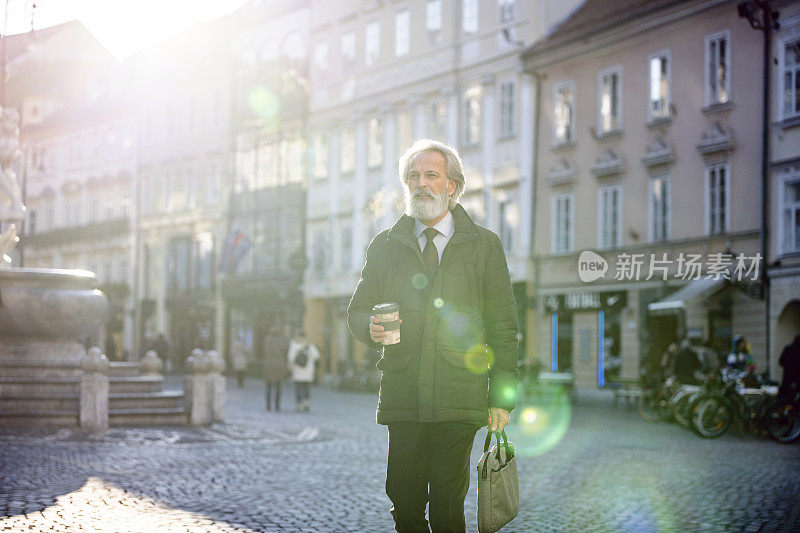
45,316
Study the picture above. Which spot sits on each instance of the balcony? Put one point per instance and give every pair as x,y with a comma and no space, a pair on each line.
96,231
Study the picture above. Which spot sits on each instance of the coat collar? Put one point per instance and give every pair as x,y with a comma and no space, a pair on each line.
465,228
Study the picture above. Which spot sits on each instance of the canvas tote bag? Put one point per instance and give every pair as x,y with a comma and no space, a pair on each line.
498,486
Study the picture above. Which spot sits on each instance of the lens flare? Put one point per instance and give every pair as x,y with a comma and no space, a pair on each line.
529,416
478,359
438,303
264,103
544,421
457,325
419,281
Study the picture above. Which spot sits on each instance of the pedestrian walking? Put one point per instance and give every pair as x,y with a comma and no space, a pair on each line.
239,351
275,348
439,385
302,358
790,361
161,346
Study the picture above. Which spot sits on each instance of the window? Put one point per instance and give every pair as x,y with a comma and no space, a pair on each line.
433,21
320,240
659,86
167,198
791,79
348,151
564,118
373,43
508,217
791,214
717,75
659,208
49,218
375,152
319,153
437,128
610,216
321,58
189,188
122,271
472,116
562,223
179,265
31,221
507,96
401,33
717,199
126,203
214,183
505,11
348,53
109,206
469,16
610,97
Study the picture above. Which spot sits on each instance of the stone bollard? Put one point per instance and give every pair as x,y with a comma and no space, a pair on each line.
94,391
151,364
217,384
196,388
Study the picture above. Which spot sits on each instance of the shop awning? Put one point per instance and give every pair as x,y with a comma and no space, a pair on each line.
696,288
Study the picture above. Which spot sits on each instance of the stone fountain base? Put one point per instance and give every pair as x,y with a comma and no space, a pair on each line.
46,313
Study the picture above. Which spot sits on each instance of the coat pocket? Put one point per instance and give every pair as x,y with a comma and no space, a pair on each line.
395,386
462,379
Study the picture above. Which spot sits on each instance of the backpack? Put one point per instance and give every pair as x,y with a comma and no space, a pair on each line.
301,359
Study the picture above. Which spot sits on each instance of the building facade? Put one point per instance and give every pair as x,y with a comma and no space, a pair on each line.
384,74
784,184
183,90
265,254
647,157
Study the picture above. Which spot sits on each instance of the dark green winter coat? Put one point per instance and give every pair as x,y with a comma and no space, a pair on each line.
457,354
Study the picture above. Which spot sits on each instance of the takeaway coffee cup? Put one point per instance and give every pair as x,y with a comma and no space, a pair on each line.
388,315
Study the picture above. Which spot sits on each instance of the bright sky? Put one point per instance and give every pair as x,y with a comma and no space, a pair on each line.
122,26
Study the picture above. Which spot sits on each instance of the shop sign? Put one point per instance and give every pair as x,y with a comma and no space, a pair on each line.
583,301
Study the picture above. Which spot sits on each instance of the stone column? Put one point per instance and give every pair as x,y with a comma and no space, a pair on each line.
359,196
453,114
216,383
488,151
526,139
196,388
94,391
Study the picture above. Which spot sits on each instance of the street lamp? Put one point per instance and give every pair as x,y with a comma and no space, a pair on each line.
762,17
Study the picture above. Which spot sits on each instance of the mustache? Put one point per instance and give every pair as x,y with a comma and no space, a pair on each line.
422,192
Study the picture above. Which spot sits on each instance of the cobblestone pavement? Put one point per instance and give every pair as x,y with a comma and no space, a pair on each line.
590,468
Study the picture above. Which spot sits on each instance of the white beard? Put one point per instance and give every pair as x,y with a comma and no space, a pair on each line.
423,205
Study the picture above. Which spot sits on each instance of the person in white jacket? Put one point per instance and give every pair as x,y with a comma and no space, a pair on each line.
302,358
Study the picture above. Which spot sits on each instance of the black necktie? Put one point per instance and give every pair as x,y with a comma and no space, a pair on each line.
429,254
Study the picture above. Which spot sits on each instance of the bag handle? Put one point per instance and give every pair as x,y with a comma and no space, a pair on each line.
508,447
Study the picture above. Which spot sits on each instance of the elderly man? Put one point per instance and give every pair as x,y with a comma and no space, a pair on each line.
456,361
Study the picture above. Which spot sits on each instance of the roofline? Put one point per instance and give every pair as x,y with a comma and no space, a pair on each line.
559,48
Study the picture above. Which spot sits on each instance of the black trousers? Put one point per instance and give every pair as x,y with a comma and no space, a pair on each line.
301,391
429,462
269,387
